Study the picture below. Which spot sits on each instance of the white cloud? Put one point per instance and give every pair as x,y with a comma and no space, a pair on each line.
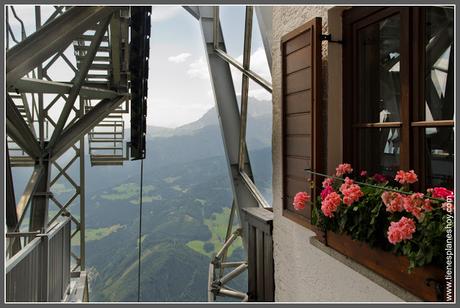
258,65
198,69
182,57
161,13
260,94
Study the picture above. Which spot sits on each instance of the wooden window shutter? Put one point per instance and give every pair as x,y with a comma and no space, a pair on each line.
301,113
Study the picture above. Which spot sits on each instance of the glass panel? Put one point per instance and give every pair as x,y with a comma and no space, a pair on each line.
259,63
21,177
237,77
439,64
378,69
439,157
232,22
259,138
379,150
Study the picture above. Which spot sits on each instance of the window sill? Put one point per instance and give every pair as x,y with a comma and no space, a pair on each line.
384,268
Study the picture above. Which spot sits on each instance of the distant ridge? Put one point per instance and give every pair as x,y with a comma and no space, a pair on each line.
257,108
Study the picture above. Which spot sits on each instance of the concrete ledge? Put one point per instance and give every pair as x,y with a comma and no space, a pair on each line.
377,279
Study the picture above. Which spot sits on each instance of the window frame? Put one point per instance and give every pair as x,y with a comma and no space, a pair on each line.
412,102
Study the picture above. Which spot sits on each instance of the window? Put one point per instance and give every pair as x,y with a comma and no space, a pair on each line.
398,89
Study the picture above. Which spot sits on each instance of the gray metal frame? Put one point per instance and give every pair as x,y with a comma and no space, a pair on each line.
27,65
40,138
233,129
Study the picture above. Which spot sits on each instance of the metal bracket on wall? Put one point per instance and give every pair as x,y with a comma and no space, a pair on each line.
328,37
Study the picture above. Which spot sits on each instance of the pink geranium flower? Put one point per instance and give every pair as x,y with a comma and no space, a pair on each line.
442,193
363,173
327,182
326,191
393,201
406,177
416,204
343,169
401,230
330,204
300,199
351,192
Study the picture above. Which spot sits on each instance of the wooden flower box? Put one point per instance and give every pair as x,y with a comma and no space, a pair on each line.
427,282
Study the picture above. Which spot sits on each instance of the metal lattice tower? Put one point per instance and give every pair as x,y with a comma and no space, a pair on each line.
47,120
68,78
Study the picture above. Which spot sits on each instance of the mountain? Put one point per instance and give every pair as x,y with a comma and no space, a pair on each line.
184,221
186,204
187,143
257,110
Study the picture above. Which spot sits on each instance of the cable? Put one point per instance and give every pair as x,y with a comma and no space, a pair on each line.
140,235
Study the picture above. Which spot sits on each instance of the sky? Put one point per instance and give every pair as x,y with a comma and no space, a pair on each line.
179,86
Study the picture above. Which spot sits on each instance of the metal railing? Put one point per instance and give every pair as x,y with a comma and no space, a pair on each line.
41,270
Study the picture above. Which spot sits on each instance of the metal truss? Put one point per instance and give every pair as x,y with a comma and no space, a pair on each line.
233,129
47,119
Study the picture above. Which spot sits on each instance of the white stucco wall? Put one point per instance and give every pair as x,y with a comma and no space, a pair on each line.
302,271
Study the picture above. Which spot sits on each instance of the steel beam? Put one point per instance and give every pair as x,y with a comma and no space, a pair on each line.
19,131
245,86
11,214
233,293
40,200
72,134
51,38
227,236
264,20
233,274
249,182
79,79
254,76
193,10
32,85
115,42
227,243
82,189
211,278
30,189
14,244
227,108
28,113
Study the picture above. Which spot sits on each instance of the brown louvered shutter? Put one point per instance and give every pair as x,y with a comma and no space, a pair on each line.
301,111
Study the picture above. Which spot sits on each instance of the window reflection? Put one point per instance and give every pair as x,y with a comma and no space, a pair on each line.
379,150
439,156
379,57
439,62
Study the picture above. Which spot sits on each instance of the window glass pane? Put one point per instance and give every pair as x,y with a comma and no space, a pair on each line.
439,157
379,150
259,138
232,22
439,64
378,69
259,63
